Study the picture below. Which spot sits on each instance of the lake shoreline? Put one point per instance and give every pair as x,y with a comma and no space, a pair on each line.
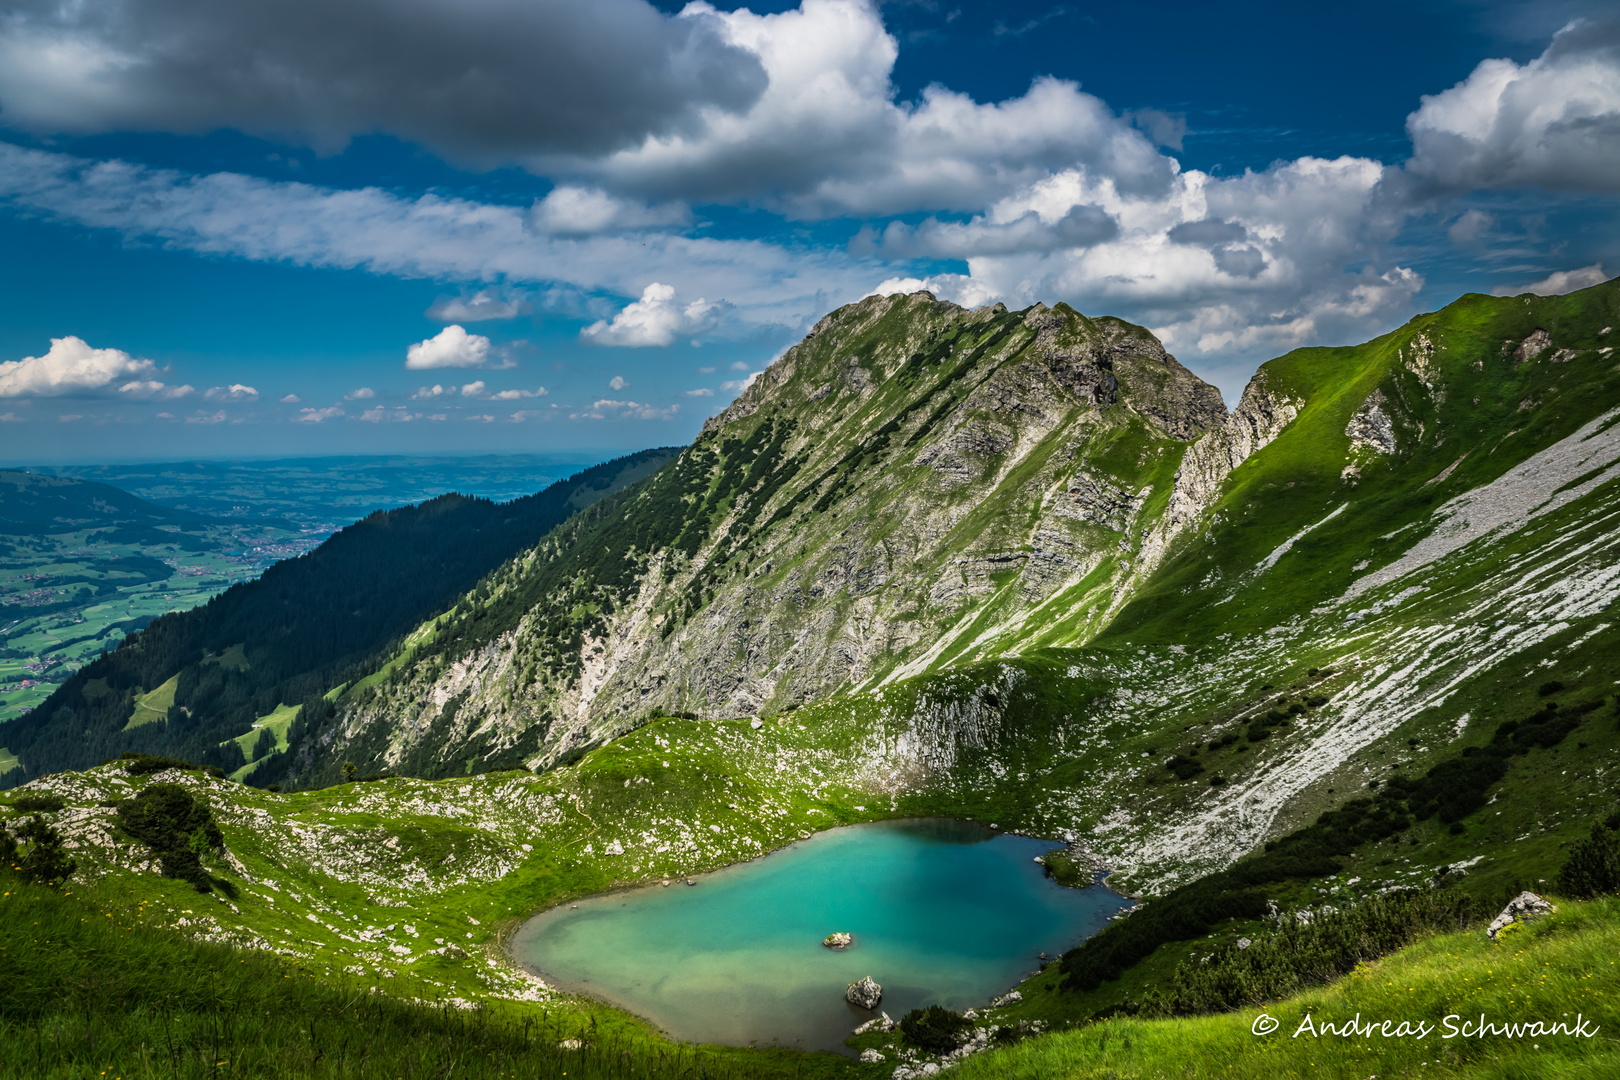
944,910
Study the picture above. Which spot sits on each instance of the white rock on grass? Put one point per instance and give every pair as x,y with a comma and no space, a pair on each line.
1522,908
870,1056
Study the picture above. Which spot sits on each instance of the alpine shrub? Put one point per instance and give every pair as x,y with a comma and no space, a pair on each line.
40,857
1184,768
1593,866
1308,952
146,764
934,1029
33,803
178,828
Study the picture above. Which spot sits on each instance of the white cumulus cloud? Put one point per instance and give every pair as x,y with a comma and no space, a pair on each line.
450,347
1553,123
656,319
233,392
318,416
153,388
70,367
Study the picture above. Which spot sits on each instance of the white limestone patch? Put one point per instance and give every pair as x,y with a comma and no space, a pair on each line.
1538,485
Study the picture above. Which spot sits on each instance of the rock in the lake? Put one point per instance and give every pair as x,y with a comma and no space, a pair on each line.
870,1056
838,940
1522,908
865,993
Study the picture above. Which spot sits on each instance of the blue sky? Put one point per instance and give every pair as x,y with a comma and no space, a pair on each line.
287,226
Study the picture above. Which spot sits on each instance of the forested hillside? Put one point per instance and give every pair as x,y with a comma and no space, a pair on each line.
32,504
195,683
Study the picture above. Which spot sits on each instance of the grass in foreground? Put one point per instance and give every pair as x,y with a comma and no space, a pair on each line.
94,989
1551,970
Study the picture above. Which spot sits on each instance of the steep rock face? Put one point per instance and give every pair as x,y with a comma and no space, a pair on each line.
903,489
1260,416
1371,426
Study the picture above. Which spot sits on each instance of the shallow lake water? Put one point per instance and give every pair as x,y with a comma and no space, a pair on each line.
944,912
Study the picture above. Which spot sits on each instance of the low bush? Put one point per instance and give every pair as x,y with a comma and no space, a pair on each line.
38,803
179,828
1184,768
36,853
934,1029
1593,865
1303,953
145,764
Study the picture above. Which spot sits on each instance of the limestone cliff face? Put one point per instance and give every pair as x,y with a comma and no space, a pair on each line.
914,485
1261,416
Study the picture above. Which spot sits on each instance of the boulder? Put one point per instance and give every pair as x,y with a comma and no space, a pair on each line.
865,993
1522,908
870,1056
838,940
1006,999
881,1022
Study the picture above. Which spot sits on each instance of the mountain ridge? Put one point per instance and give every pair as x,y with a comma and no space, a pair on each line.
897,443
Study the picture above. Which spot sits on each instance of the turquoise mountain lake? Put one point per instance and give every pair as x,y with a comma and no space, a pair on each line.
945,912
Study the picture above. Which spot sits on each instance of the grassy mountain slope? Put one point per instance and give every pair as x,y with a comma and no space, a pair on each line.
305,625
1556,969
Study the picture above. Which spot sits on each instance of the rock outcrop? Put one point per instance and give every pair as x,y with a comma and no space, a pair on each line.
866,993
1525,907
1371,426
1260,417
838,940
